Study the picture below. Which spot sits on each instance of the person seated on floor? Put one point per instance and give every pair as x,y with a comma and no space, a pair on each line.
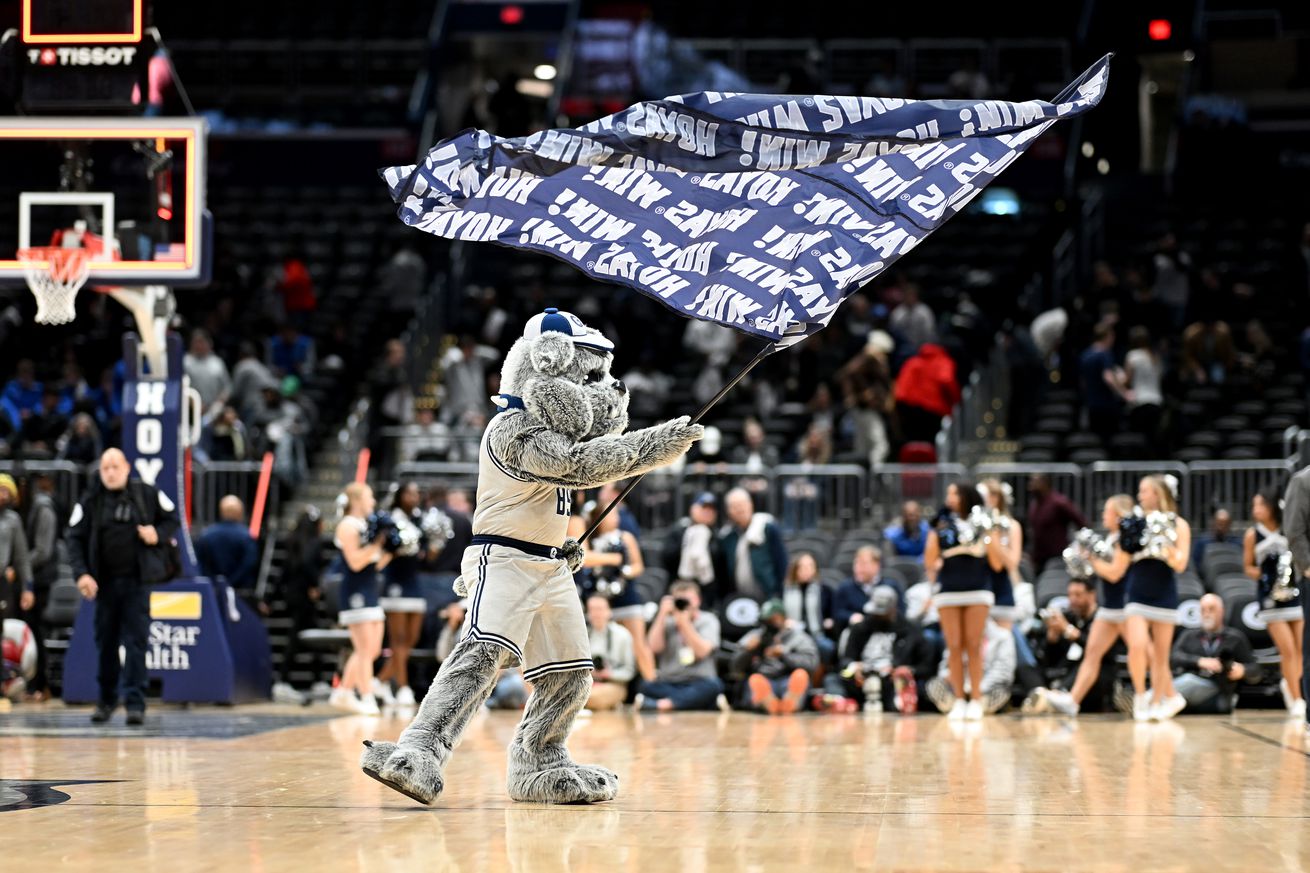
1063,636
883,660
999,665
611,653
777,658
683,639
1208,661
866,575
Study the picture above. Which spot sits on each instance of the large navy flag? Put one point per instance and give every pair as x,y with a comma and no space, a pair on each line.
759,212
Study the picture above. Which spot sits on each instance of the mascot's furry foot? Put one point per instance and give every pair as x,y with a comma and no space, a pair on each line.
572,783
415,773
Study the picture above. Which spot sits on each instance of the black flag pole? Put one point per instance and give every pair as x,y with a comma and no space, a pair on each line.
709,404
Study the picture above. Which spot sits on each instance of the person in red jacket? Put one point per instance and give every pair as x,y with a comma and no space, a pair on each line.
926,391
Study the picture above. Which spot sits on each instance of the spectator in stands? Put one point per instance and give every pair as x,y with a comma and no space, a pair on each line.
1050,515
1209,661
755,556
110,532
611,565
249,376
1208,355
809,604
913,320
16,584
684,640
777,658
74,392
611,655
390,400
800,496
455,504
298,297
108,401
1102,383
756,455
908,536
1221,531
43,532
707,451
291,353
464,401
607,494
1263,546
1063,639
865,425
883,658
226,550
693,551
43,428
969,82
1143,372
866,575
999,661
224,438
207,372
22,395
926,392
713,342
426,439
1172,278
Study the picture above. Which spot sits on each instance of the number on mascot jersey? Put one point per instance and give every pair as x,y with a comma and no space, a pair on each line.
563,506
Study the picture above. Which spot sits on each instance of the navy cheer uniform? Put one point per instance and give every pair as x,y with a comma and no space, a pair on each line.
359,588
1113,596
401,590
1152,590
965,576
1269,546
1003,608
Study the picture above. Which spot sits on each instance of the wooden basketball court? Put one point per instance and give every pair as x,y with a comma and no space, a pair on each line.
272,788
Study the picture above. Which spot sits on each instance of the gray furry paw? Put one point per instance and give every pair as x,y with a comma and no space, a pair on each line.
681,432
571,552
571,783
413,772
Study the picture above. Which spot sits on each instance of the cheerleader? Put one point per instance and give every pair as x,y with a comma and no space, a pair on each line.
1108,624
612,560
961,568
997,497
1151,608
1262,548
358,565
402,600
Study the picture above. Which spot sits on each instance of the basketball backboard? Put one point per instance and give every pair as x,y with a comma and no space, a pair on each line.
139,183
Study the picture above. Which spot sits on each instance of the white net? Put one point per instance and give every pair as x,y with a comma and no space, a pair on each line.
55,275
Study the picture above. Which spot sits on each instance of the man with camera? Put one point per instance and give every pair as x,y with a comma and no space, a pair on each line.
883,658
117,536
683,640
778,657
1210,660
611,655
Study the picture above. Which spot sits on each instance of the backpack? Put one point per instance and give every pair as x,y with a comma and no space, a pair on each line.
161,562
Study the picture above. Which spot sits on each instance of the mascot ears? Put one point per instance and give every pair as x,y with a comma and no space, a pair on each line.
552,353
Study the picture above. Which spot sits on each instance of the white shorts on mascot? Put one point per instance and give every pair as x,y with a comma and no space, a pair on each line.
559,428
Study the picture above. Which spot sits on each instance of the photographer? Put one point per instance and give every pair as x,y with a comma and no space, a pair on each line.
1064,636
611,564
883,658
778,656
1210,660
611,653
683,640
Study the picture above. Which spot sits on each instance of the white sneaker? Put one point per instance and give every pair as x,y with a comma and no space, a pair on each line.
343,698
721,702
1062,702
1169,707
1287,694
957,712
973,710
366,706
1142,709
405,697
382,692
873,704
1298,709
639,702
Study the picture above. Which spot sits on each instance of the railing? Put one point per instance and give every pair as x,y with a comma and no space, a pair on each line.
805,497
213,481
69,479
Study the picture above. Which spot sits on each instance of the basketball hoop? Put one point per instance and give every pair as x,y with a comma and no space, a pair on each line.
55,275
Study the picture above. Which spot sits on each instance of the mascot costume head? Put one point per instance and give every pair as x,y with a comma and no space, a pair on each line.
560,427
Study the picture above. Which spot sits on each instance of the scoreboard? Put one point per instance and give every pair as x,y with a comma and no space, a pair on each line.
80,56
